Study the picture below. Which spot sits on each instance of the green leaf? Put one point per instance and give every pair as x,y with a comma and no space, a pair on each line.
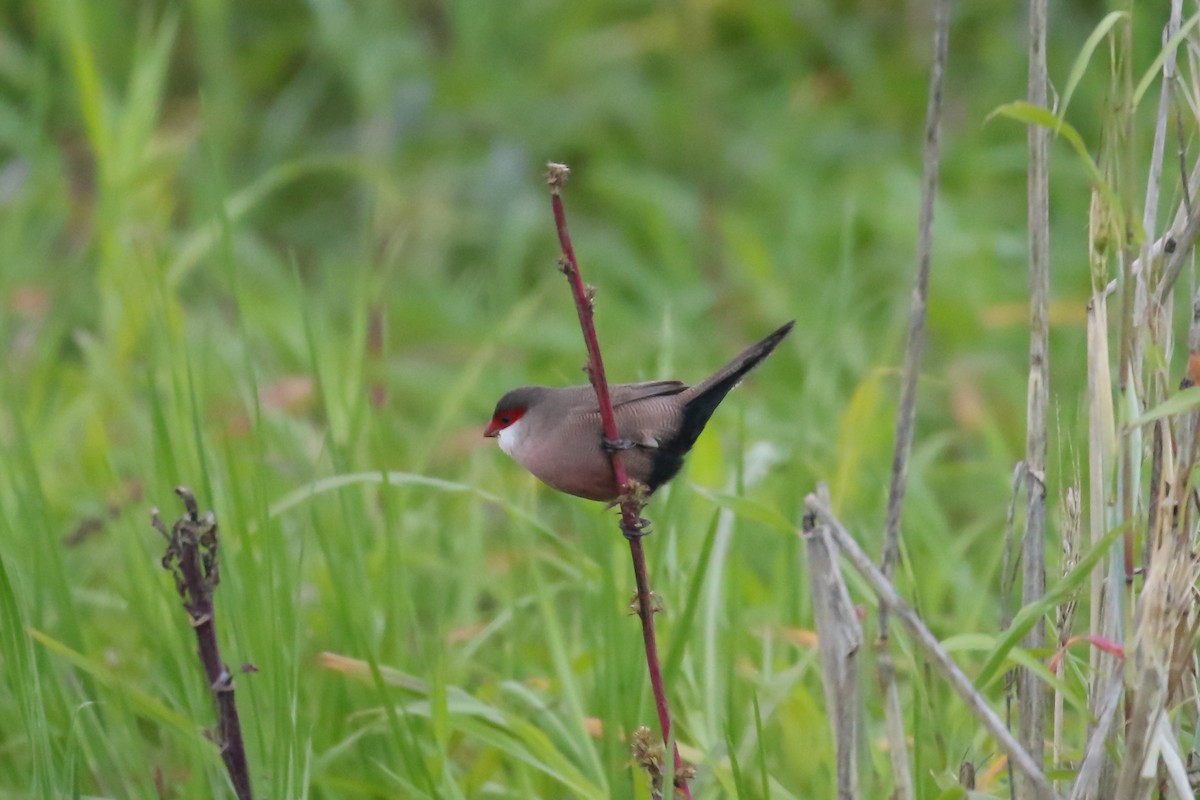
1160,59
504,731
296,497
1026,112
1023,658
748,509
1085,56
968,643
1030,614
1178,403
148,705
1023,111
682,630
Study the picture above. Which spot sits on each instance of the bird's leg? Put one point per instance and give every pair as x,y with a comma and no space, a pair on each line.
635,492
616,445
642,528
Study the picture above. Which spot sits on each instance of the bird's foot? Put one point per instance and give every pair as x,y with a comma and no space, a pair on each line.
616,445
632,500
640,528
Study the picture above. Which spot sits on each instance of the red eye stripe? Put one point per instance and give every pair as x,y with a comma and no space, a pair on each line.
502,420
505,418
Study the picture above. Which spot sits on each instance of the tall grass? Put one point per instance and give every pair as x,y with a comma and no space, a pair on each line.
290,256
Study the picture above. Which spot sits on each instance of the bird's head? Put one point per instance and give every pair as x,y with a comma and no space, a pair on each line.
510,410
502,419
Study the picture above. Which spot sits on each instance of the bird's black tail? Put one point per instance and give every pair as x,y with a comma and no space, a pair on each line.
701,400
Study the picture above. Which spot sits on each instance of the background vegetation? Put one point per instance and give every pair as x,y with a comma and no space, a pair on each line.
252,246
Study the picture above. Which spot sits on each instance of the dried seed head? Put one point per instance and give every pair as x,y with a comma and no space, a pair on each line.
657,606
556,176
647,751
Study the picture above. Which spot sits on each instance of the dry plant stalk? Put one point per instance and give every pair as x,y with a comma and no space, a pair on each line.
1162,615
191,557
1104,619
1087,779
1163,639
906,411
924,639
632,498
1162,621
1030,692
1158,625
1072,538
839,635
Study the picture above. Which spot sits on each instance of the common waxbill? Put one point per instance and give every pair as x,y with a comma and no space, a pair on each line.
556,433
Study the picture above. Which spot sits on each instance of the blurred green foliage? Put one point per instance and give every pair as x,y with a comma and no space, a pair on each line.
247,246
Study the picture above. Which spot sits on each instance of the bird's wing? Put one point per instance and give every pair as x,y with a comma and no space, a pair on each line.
649,422
647,413
624,393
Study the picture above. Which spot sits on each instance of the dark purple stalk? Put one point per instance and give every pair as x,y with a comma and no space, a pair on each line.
191,558
631,494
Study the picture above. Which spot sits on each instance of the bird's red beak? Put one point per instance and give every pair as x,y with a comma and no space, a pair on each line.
492,430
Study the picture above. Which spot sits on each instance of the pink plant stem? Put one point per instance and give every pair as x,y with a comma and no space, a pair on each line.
646,613
631,499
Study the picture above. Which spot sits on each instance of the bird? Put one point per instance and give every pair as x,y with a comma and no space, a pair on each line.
556,433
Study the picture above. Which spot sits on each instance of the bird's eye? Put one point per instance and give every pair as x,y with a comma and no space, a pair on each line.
503,419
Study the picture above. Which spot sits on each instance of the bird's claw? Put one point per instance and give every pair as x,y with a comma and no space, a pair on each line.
640,528
616,445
